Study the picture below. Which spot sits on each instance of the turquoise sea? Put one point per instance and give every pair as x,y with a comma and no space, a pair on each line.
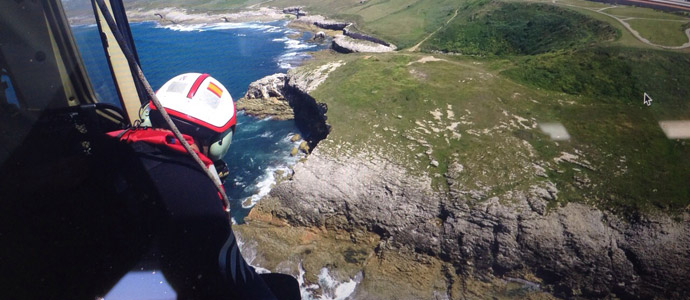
234,53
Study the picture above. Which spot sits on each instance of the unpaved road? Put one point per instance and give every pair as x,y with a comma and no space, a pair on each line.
415,47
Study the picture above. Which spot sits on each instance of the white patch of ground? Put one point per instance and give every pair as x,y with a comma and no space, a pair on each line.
426,59
574,159
449,112
361,45
437,114
310,80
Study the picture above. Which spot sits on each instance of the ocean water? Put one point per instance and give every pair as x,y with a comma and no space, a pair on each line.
234,53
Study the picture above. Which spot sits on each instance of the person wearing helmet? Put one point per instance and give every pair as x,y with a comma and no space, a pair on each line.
199,254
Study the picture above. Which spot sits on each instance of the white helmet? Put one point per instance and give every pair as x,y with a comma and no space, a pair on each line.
201,107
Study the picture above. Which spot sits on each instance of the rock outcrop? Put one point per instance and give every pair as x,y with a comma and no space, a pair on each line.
265,98
286,96
331,25
574,250
360,36
294,10
350,40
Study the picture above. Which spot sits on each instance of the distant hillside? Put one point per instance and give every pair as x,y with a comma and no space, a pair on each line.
499,28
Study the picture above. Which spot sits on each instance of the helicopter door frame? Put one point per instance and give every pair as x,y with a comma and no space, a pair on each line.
129,89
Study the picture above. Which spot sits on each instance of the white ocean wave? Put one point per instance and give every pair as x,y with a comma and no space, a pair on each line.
250,25
283,39
265,184
296,44
331,289
290,59
248,251
274,29
289,54
220,26
183,27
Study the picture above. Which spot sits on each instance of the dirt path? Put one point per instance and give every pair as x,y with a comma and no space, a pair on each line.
630,29
415,47
258,4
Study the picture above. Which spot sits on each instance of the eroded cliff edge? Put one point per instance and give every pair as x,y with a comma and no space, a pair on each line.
365,217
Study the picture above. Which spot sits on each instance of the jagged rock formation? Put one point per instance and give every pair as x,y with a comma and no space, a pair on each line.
265,98
360,36
575,250
331,25
268,87
351,40
294,10
310,115
285,96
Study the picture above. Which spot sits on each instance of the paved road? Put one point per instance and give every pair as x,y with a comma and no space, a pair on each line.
629,28
656,4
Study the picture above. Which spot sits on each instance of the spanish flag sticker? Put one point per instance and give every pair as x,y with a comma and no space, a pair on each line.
215,89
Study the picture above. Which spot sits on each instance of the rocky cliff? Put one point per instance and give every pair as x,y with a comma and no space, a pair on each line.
265,98
368,219
574,250
286,96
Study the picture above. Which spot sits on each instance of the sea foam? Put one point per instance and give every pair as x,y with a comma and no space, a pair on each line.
221,26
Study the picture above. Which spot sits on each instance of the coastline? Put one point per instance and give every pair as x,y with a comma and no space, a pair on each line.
173,15
344,39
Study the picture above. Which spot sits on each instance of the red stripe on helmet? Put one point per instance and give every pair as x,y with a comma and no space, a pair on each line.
194,120
196,85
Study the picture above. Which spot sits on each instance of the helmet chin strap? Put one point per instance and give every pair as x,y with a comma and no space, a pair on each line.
140,74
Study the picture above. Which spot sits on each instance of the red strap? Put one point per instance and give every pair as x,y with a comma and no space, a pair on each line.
157,137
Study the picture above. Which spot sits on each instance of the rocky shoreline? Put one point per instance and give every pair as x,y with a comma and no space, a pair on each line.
345,39
366,218
571,251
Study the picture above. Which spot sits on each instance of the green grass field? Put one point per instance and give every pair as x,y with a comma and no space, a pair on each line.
661,32
403,110
484,112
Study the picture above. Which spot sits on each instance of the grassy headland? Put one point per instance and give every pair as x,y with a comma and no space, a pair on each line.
542,64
